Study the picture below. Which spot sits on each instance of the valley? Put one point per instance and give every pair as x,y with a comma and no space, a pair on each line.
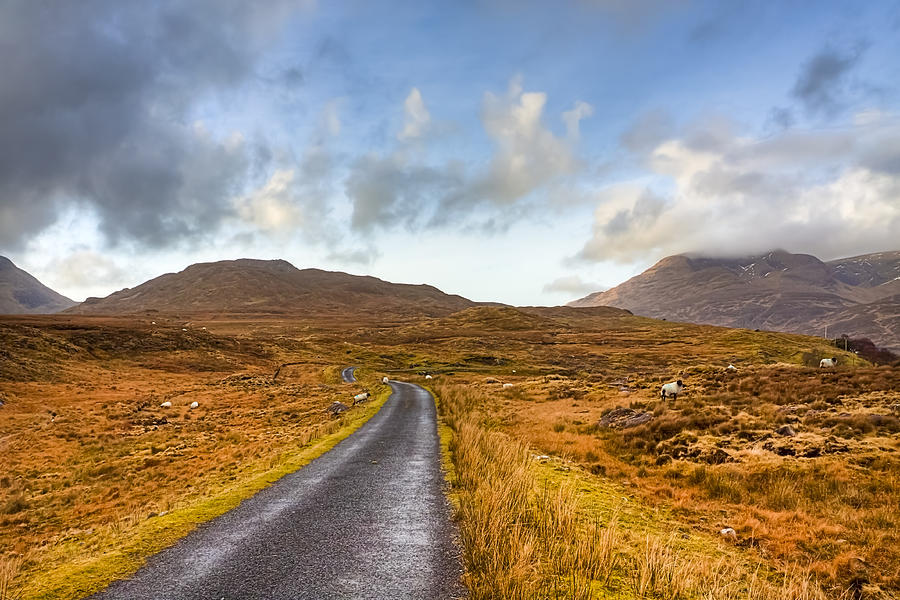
100,476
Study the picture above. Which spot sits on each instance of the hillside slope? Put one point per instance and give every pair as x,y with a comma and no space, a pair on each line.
21,293
780,291
272,287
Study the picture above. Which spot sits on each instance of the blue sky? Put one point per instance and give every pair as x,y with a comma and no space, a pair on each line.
524,152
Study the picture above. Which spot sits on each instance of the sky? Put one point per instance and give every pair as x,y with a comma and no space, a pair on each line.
512,151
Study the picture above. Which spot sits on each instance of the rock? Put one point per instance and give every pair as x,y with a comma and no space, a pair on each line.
786,430
714,456
166,404
337,408
779,449
194,405
812,452
663,459
729,534
623,418
834,447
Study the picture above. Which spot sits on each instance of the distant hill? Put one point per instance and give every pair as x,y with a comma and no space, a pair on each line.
858,296
272,287
20,293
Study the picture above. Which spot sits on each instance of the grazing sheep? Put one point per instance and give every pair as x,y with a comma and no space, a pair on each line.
429,377
729,534
385,379
166,404
671,389
828,362
731,368
194,405
360,398
506,386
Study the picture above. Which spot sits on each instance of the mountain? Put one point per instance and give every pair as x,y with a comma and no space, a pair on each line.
272,287
798,293
21,293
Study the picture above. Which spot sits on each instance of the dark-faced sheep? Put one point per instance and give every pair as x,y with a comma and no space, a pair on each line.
671,389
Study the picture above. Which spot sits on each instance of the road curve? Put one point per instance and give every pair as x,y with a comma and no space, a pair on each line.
366,520
348,375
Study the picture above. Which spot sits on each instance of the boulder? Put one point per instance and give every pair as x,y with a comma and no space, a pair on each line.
786,430
623,418
337,408
714,456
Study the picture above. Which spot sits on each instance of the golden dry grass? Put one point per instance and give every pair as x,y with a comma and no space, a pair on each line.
599,519
91,460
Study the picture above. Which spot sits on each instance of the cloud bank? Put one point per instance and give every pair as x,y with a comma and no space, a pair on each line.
98,112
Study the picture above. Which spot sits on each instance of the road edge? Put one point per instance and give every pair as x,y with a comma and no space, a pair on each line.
82,578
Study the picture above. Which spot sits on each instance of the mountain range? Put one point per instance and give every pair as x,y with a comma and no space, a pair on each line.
21,293
272,287
797,293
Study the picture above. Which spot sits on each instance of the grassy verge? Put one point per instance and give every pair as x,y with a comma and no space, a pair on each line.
544,528
80,577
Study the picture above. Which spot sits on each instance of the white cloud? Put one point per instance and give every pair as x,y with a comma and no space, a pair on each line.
85,272
528,155
273,207
400,188
573,285
573,117
831,193
416,116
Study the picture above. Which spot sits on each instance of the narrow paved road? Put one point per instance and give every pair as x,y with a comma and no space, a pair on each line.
366,520
347,375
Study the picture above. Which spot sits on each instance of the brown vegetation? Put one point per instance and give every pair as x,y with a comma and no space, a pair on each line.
613,511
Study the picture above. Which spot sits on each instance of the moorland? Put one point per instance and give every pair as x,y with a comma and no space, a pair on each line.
559,490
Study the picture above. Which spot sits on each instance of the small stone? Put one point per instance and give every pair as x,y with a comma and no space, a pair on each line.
786,430
337,408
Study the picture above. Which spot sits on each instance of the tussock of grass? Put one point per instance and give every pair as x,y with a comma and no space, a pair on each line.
533,530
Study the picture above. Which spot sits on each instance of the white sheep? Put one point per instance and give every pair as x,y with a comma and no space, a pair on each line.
361,397
506,386
671,389
731,368
166,404
429,377
385,379
827,362
194,405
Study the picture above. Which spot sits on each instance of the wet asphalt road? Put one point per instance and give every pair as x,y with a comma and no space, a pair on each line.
366,520
347,375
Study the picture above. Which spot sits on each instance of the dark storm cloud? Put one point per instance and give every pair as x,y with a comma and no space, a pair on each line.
95,103
821,83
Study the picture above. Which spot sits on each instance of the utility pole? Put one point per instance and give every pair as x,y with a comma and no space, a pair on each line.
826,332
